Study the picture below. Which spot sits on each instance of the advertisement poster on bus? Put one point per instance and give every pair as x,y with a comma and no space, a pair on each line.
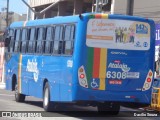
118,34
157,34
157,51
157,41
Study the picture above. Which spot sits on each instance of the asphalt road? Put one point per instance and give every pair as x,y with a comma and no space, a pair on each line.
8,103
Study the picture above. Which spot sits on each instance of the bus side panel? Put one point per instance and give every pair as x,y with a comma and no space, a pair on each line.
11,70
57,70
66,79
36,70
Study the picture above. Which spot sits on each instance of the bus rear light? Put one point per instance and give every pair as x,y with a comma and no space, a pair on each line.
81,70
150,74
147,85
82,76
132,96
148,79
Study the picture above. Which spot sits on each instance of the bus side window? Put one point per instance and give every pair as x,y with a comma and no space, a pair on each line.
69,39
49,40
12,40
58,40
17,40
40,40
32,40
24,40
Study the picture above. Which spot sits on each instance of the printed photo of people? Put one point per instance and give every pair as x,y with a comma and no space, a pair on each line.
124,35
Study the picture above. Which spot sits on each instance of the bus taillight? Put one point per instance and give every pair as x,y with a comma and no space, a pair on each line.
82,77
150,74
81,70
148,81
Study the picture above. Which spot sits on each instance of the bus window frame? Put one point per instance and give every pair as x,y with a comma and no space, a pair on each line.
42,41
15,40
25,40
71,40
29,40
51,41
54,40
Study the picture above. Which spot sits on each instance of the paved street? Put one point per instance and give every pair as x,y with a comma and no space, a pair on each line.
7,103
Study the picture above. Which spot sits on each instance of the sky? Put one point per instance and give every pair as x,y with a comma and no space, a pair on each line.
14,5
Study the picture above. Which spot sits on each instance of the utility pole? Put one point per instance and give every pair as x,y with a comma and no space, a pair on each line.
7,13
130,7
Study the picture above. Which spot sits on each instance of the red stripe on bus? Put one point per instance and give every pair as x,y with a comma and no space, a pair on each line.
96,63
98,16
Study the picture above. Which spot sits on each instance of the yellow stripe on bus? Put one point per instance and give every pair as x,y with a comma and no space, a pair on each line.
102,71
19,74
105,16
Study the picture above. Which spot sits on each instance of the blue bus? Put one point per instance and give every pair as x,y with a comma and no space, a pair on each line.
90,59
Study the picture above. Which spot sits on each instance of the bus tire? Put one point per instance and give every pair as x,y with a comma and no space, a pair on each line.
47,104
18,97
109,108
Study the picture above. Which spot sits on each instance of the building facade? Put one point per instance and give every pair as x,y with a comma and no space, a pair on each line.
143,8
12,18
61,7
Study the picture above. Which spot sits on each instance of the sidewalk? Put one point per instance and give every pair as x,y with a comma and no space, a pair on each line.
2,85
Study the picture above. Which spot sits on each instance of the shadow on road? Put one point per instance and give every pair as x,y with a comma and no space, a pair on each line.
35,103
71,110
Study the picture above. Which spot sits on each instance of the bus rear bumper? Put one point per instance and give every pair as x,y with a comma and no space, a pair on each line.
117,96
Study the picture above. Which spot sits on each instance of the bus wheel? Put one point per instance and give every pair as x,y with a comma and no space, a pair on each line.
18,97
109,108
47,104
